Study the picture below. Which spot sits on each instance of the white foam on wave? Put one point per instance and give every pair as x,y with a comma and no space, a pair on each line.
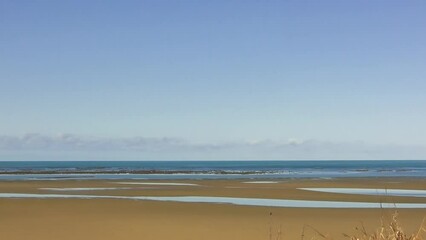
261,182
159,183
231,200
86,189
371,191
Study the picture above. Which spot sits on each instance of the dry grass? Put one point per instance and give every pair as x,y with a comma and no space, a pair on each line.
390,230
278,234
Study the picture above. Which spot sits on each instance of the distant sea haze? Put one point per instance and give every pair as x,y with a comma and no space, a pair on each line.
25,170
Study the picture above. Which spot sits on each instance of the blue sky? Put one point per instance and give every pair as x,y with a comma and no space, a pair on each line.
212,80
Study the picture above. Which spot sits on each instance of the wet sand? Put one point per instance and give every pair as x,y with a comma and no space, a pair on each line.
134,219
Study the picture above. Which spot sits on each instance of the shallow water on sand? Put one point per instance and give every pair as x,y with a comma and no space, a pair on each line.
231,200
370,191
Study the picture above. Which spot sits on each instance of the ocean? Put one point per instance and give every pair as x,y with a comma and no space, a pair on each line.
56,170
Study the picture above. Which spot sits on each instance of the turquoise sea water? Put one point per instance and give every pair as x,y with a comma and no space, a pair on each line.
209,169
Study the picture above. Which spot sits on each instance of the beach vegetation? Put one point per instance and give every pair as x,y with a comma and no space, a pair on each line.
388,230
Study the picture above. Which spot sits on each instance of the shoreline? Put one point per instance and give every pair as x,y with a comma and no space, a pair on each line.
11,177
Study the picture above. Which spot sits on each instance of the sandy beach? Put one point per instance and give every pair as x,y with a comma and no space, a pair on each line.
142,219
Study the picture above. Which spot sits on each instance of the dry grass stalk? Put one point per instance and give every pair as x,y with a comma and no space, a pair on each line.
390,231
387,231
271,232
315,230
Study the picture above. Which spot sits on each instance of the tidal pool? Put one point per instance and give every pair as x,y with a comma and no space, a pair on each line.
371,191
231,200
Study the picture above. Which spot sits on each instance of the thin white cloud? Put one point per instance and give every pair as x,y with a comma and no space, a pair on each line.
81,143
80,147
